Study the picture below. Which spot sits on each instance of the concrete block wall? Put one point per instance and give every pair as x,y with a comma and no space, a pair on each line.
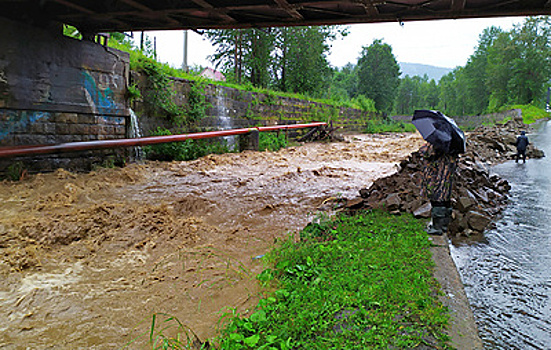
55,89
20,128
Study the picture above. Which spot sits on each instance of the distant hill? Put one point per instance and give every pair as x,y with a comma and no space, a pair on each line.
413,69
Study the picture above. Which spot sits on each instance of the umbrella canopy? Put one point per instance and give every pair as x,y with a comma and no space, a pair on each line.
439,130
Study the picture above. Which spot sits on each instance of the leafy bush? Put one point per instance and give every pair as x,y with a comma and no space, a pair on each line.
272,141
133,93
182,151
15,171
159,96
364,103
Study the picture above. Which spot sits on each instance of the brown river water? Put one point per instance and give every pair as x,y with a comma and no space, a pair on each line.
87,259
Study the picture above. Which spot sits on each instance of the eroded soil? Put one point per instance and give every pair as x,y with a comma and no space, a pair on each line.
87,259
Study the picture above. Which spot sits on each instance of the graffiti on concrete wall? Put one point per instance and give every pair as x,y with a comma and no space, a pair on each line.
14,121
4,88
99,94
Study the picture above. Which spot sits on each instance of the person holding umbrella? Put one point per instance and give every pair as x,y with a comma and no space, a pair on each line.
445,141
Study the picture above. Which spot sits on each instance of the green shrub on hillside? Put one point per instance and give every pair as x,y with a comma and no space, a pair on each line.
364,103
185,150
159,94
272,141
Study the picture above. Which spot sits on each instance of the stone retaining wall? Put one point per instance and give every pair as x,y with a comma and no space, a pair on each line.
244,109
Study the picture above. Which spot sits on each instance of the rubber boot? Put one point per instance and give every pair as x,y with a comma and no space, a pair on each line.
440,220
446,219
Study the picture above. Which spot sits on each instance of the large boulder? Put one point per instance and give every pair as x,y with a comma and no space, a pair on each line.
464,203
392,202
423,211
477,221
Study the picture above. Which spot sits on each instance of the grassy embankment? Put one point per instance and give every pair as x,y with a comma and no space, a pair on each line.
351,282
530,113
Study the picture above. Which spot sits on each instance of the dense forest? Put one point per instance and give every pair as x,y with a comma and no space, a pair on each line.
507,68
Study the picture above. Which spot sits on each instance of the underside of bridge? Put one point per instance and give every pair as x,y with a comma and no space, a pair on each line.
96,16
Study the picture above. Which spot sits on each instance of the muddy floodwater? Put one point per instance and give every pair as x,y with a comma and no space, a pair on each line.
507,275
87,259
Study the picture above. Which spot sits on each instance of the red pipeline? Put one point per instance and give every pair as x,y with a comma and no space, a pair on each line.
7,152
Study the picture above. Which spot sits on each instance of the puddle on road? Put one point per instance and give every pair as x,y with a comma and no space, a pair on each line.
88,258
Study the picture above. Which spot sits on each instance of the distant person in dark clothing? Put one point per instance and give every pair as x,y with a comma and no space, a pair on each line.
522,143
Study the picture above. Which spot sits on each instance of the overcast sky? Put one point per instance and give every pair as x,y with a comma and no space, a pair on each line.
442,43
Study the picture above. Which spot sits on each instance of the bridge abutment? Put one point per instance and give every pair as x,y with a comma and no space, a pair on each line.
56,89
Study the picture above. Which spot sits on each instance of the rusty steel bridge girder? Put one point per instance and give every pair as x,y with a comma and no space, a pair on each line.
95,16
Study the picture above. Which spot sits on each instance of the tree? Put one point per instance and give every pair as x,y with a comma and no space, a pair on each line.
302,63
406,96
344,82
290,59
243,53
512,67
453,93
416,93
531,69
499,69
429,94
475,72
378,74
518,64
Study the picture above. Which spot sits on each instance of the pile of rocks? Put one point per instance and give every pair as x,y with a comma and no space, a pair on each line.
497,144
478,196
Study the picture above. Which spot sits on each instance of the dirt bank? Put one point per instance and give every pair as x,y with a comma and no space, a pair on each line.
86,257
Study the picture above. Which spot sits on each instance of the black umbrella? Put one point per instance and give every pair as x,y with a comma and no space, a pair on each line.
439,130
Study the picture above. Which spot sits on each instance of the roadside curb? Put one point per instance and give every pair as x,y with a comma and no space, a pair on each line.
463,330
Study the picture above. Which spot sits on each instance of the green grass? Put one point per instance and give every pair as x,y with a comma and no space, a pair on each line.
353,282
530,113
165,332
